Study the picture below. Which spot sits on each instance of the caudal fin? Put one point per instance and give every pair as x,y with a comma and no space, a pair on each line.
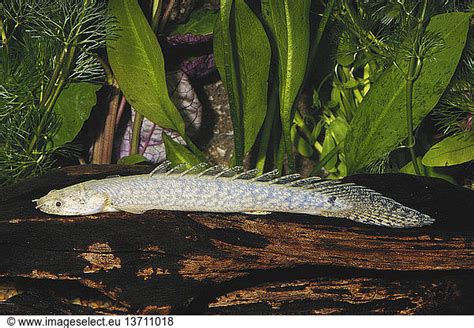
367,206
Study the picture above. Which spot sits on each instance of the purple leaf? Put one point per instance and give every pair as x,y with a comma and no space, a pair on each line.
199,67
188,39
151,142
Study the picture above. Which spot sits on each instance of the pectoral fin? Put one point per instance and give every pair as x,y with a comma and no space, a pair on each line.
131,209
257,212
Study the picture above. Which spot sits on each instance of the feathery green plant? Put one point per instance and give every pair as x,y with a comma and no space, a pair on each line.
403,53
454,112
46,45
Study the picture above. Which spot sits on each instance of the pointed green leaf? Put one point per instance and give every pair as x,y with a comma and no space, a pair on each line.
177,153
452,150
132,159
225,62
288,21
138,65
74,106
379,124
339,129
328,150
251,67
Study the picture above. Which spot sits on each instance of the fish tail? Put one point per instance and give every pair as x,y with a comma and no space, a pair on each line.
367,206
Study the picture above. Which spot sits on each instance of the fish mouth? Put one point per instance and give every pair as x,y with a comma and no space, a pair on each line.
38,202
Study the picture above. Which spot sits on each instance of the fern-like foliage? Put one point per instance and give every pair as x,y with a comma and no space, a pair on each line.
454,113
46,44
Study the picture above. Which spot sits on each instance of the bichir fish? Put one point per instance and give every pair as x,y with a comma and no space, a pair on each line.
214,189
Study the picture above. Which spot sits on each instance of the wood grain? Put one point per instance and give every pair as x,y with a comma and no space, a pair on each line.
178,262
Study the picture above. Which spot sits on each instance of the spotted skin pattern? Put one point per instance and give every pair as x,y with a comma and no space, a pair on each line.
213,193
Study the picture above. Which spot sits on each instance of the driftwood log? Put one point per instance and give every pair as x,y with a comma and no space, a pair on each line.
176,262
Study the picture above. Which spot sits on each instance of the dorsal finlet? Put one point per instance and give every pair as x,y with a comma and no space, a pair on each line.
162,168
247,175
268,176
213,170
306,182
195,169
286,179
178,169
230,172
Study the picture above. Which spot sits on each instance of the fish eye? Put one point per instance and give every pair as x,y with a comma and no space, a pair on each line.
58,204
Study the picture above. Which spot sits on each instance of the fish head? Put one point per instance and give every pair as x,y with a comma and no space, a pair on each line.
73,200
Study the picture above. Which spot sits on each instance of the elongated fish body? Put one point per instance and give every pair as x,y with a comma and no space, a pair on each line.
208,194
216,192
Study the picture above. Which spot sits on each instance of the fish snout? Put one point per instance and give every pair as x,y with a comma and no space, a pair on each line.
39,202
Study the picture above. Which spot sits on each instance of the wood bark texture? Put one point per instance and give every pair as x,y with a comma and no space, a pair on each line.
164,262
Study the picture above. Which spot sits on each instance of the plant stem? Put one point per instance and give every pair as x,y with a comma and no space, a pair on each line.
409,109
103,145
272,108
137,125
54,78
121,108
409,112
319,35
3,33
5,60
288,149
166,15
104,141
148,138
59,78
52,93
155,14
280,153
109,126
413,72
108,71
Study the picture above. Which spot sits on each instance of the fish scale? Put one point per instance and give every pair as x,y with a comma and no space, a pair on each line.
189,192
228,191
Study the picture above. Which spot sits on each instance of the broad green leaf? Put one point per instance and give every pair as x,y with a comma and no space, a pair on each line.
379,125
177,153
132,159
342,168
328,150
225,62
250,65
74,106
200,22
426,171
302,146
138,65
339,129
288,21
452,150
